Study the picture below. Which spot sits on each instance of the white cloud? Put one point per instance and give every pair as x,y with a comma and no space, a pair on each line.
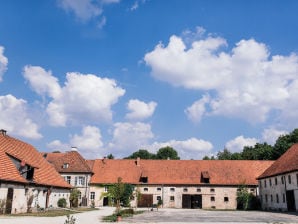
14,117
130,137
3,63
270,135
83,98
237,144
140,110
137,4
197,110
42,81
86,10
89,143
57,145
191,148
246,82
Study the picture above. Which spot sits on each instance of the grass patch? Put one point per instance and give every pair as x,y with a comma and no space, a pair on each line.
124,214
56,212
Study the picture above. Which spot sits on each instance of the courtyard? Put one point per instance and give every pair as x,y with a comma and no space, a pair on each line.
165,216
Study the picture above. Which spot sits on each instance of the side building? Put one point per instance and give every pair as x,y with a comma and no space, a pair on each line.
178,183
75,171
279,183
27,181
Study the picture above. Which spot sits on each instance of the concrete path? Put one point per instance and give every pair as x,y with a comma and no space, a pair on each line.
91,217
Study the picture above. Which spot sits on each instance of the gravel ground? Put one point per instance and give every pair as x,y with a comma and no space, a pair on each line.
91,217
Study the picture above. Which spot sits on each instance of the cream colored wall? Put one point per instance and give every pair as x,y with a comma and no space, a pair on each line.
56,194
279,189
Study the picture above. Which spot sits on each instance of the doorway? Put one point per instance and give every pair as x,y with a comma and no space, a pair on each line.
291,200
9,200
192,201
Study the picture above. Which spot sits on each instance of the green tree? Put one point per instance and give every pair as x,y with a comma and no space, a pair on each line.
116,191
167,153
224,155
110,156
142,153
246,200
74,198
283,143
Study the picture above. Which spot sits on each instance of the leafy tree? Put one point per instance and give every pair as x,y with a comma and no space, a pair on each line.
74,198
208,158
224,155
110,156
284,142
246,200
167,152
142,153
116,191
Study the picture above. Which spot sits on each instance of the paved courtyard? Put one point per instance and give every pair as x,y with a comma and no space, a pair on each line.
165,216
203,216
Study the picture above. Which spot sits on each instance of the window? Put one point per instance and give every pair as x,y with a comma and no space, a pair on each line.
146,189
282,180
270,182
76,181
172,198
80,195
198,189
289,179
65,165
266,198
212,190
297,178
185,189
144,179
275,180
81,181
212,198
265,183
283,198
106,189
158,198
92,195
252,190
158,189
68,179
277,198
226,199
260,184
271,198
172,189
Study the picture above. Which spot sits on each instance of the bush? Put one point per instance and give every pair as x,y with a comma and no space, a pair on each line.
61,203
129,211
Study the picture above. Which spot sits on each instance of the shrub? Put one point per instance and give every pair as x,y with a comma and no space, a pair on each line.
2,206
61,203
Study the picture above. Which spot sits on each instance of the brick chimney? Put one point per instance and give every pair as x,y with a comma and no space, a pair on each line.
3,132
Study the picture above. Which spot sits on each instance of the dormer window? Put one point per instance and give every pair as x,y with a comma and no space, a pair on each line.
205,178
65,165
144,179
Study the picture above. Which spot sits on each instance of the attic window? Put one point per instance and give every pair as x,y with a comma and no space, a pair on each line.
205,178
65,165
144,179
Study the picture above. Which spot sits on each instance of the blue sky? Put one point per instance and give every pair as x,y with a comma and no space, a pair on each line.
111,76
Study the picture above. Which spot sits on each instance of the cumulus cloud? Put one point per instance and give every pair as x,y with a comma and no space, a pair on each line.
14,117
270,135
197,110
42,81
237,144
3,63
130,137
89,143
83,98
245,82
191,148
140,110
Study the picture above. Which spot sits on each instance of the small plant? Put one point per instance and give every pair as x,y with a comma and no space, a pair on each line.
92,204
70,220
2,206
61,203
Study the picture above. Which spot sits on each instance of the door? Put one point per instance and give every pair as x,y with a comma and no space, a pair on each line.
191,201
291,201
186,201
105,201
145,200
9,200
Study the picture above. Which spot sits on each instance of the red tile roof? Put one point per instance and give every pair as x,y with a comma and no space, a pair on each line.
76,163
288,162
44,173
221,172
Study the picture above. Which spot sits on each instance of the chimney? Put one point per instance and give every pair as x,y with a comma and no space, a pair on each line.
138,161
3,132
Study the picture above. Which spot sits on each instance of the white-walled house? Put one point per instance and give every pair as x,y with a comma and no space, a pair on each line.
27,180
75,170
178,183
279,183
